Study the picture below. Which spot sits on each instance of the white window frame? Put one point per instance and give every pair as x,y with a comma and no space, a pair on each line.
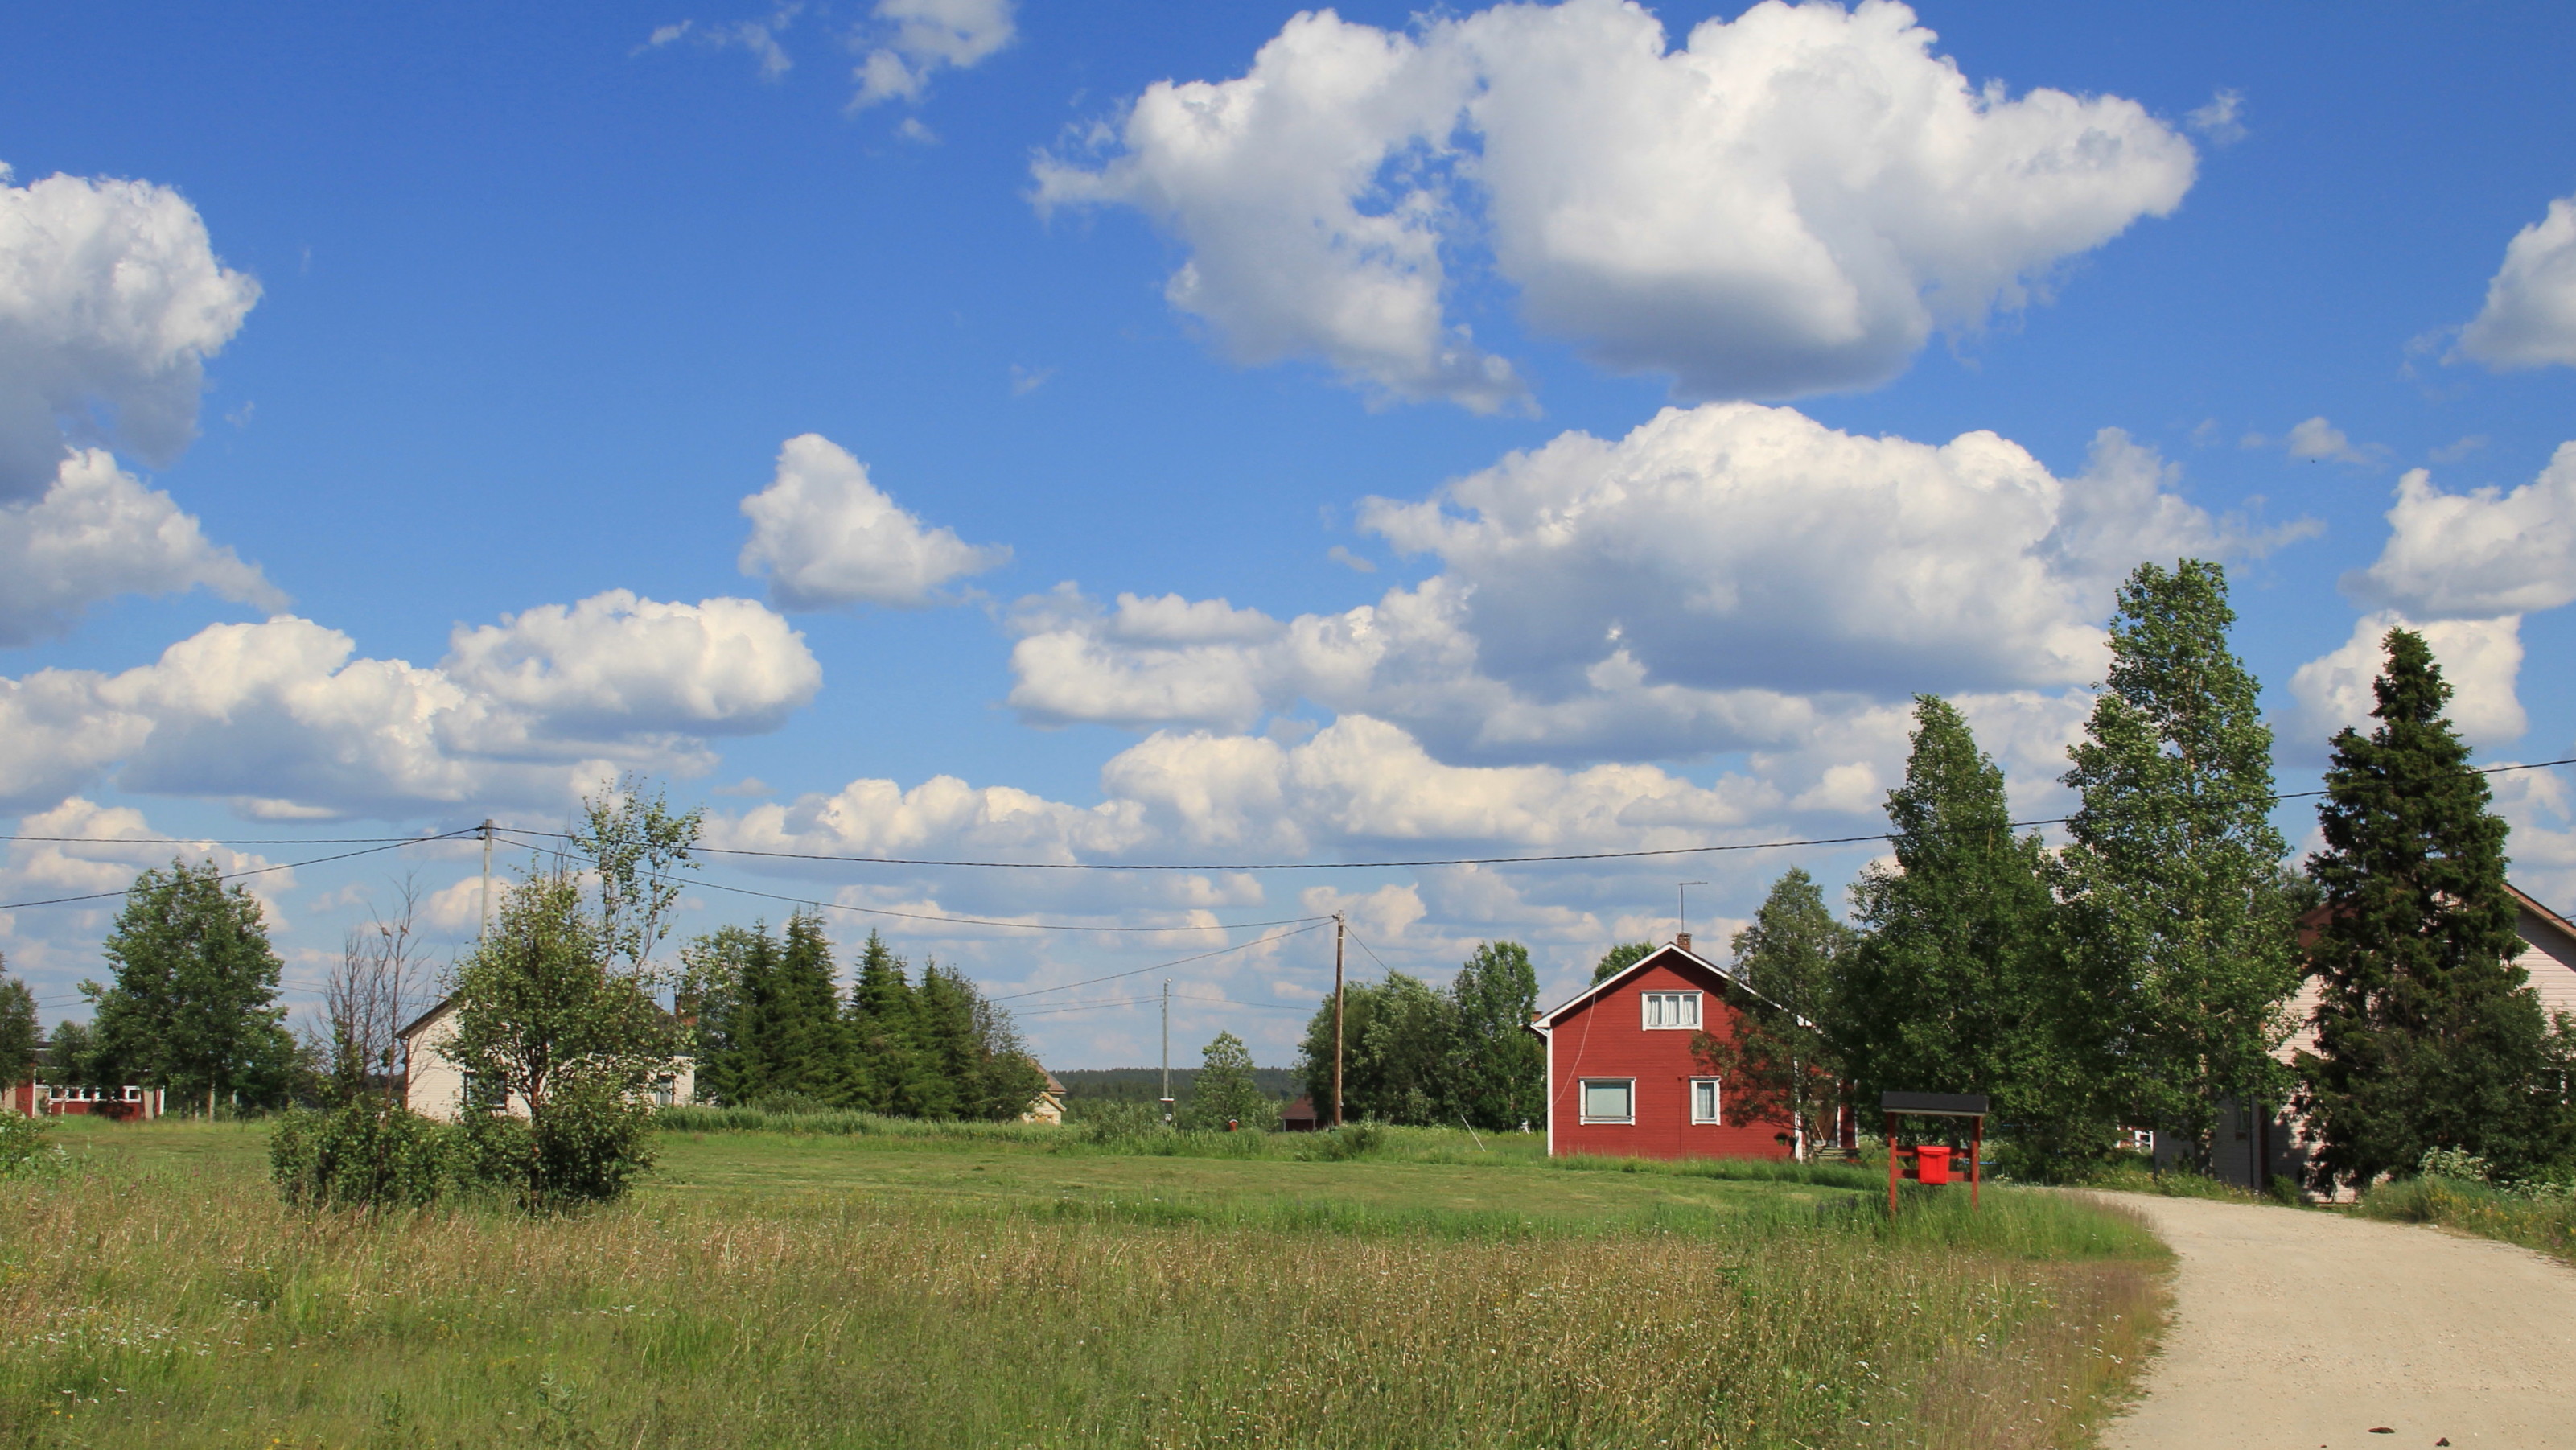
1583,1098
1646,1002
1716,1101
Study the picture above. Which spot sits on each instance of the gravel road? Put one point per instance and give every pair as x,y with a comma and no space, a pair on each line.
2314,1331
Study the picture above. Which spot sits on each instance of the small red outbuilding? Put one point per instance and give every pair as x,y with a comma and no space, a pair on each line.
1622,1081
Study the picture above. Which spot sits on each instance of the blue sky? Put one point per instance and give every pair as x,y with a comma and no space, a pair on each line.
498,313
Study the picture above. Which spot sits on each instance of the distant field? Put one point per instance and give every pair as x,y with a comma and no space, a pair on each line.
1010,1288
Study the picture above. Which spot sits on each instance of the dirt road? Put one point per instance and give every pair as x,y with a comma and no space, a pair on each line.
2294,1331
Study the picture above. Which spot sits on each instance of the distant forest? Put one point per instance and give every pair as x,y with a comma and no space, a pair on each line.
1145,1084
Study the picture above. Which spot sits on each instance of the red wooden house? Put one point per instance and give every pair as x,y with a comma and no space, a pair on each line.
1622,1081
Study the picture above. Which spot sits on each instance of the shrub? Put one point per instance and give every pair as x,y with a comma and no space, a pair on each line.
363,1155
1349,1141
23,1152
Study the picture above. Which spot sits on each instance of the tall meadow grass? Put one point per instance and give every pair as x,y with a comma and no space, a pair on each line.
144,1307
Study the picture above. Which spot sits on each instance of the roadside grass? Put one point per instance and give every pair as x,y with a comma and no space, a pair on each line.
879,1290
2543,1221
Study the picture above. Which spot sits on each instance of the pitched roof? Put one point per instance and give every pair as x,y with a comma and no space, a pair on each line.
2544,913
1545,1020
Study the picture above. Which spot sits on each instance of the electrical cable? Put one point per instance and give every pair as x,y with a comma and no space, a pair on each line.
1158,966
237,875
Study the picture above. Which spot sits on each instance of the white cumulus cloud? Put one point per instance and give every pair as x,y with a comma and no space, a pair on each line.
828,537
1724,577
1788,203
97,533
111,300
914,40
2481,659
285,720
2479,554
2529,319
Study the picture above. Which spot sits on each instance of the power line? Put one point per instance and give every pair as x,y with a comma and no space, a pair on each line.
689,881
1149,865
1158,966
237,875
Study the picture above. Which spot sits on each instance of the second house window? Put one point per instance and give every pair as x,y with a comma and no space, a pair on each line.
1672,1009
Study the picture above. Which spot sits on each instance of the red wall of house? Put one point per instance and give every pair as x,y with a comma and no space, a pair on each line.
1607,1037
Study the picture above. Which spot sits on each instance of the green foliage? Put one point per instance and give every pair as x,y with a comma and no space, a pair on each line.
71,1057
633,842
1619,959
885,1025
2429,1036
1419,1054
364,1155
23,1149
2182,941
1498,1072
1777,1062
724,988
193,1007
545,1025
1227,1097
17,1029
1956,984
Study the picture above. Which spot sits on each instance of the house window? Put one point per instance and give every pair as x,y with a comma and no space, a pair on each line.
1609,1100
1703,1100
1672,1009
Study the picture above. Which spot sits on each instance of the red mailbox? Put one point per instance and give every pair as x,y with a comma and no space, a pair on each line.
1931,1165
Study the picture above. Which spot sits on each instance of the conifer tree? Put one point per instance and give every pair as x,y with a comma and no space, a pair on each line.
2183,938
944,1042
884,1029
1953,986
803,1046
2428,1033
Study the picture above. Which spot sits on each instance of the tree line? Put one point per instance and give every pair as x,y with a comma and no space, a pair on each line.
1422,1054
2145,972
772,1029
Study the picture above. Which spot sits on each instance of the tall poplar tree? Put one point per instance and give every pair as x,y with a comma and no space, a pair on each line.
2182,931
1498,1076
1954,985
2428,1033
193,1007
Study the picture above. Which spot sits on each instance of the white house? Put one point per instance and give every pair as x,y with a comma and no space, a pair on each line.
434,1087
2251,1153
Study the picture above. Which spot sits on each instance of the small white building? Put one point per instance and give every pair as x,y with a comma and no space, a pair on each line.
434,1086
1048,1105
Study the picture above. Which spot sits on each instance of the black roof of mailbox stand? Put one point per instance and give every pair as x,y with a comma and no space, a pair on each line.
1946,1105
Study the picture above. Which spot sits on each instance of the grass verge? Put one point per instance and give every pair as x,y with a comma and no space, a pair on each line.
2536,1221
155,1298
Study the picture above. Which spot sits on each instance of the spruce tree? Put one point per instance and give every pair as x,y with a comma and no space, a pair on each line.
2428,1033
805,1047
2183,940
884,1031
1498,1073
1953,986
945,1043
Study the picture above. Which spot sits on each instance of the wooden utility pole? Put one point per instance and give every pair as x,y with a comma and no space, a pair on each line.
1337,1019
1167,1049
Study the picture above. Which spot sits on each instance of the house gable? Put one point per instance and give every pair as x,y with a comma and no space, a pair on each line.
1623,1080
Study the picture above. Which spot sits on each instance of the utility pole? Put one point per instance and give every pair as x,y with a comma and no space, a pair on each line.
484,910
1167,1049
1337,1019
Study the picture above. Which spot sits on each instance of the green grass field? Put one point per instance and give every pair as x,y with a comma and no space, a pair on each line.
1024,1288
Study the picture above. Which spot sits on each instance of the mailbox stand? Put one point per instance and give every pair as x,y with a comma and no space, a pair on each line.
1971,1106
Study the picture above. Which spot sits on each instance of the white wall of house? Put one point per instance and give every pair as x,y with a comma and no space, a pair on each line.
434,1087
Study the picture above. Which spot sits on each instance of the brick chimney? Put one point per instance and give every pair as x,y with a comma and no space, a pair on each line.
1682,939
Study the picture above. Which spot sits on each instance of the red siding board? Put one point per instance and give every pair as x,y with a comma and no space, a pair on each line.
1607,1037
